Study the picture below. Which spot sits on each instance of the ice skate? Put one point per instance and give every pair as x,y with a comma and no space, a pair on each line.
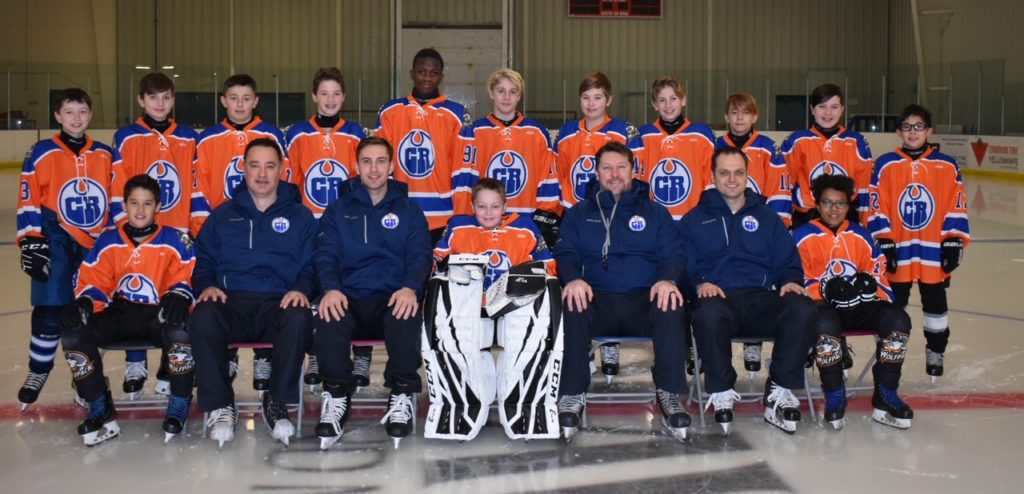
29,392
752,359
933,363
674,418
781,408
101,422
275,415
847,357
135,374
890,409
312,376
233,367
176,416
79,401
723,401
610,361
162,387
334,413
835,407
570,414
261,375
400,420
361,367
222,424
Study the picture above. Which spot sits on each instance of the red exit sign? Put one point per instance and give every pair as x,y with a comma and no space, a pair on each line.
615,8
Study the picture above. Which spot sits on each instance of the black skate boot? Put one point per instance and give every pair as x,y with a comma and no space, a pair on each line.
163,386
233,365
275,415
890,409
362,357
177,415
29,392
610,361
570,414
400,420
101,422
847,356
752,358
673,416
835,407
312,376
781,407
135,374
723,401
261,374
334,413
933,363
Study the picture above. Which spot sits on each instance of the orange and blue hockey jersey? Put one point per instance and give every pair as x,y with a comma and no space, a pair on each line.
220,160
168,157
917,204
846,252
323,159
677,166
141,274
520,157
514,241
766,173
428,154
809,154
575,150
74,190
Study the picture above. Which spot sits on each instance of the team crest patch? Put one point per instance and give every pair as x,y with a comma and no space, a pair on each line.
637,223
750,223
280,224
390,221
80,365
179,359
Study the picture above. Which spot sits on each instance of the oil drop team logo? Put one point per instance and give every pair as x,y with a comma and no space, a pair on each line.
583,170
841,268
234,174
498,264
137,288
917,207
166,174
416,154
827,168
671,183
509,168
83,203
323,182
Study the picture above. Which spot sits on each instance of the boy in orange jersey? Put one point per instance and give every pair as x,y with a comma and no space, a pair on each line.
63,207
132,286
919,219
843,272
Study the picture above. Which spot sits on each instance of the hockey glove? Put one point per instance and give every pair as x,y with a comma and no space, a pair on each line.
35,258
839,293
174,306
549,224
76,314
952,254
865,285
889,249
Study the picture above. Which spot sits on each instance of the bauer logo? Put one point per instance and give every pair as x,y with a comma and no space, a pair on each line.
750,223
280,224
416,154
137,288
671,183
323,182
83,203
498,264
390,221
917,206
827,168
509,168
234,174
637,223
79,363
167,177
583,171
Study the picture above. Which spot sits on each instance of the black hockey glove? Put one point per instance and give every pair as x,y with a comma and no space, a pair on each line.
839,293
174,306
889,249
76,314
35,258
865,285
952,254
549,224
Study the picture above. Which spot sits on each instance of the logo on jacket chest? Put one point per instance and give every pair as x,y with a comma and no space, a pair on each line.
750,223
280,224
83,203
637,223
137,288
323,181
509,168
234,174
389,221
917,207
169,179
671,183
416,154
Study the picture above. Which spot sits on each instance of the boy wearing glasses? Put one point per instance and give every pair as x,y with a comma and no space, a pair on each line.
919,219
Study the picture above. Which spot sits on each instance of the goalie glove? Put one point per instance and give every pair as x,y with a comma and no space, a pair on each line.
174,306
889,249
520,286
865,285
76,314
839,293
35,258
952,254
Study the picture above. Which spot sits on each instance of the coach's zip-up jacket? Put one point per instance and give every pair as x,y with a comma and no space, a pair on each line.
747,249
644,248
371,250
241,248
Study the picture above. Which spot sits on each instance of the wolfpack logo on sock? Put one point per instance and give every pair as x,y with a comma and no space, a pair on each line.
323,182
83,203
509,168
828,351
894,348
416,154
583,171
167,176
916,207
234,174
137,288
179,359
671,183
80,365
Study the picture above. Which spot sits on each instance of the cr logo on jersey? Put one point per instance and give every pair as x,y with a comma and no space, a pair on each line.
839,268
234,174
167,176
137,288
498,264
509,168
827,168
917,207
83,203
583,171
416,154
671,183
323,182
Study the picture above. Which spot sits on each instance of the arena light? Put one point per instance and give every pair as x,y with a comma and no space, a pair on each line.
143,67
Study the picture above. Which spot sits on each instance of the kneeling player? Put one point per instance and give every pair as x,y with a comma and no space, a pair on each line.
843,268
136,281
515,268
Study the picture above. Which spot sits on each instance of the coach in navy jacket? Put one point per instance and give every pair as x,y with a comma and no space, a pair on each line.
373,257
746,272
619,255
254,275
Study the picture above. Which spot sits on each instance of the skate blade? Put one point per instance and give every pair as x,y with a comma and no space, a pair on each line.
609,378
24,407
135,395
884,418
109,431
787,426
935,380
726,427
81,403
677,433
358,389
568,433
846,374
327,442
838,424
751,375
397,440
162,388
168,436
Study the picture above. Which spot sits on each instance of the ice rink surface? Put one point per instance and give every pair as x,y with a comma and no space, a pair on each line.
966,434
